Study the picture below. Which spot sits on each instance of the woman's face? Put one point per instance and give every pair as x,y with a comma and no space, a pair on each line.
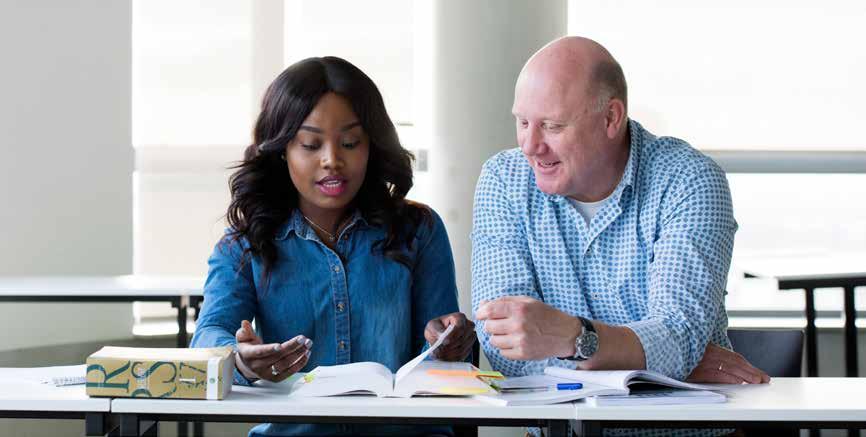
327,159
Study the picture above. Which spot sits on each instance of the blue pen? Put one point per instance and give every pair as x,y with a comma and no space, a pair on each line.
560,386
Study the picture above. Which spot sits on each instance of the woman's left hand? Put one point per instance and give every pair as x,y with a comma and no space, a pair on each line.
459,343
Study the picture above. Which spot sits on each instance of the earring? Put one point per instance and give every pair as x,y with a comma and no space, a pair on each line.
283,156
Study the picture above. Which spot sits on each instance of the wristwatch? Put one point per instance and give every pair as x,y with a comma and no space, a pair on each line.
586,344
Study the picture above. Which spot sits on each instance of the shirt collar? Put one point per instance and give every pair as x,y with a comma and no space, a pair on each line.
296,223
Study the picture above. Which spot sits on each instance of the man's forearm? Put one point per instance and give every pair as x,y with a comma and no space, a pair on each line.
619,348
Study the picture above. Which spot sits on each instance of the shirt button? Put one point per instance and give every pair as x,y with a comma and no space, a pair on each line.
345,237
337,269
340,307
341,345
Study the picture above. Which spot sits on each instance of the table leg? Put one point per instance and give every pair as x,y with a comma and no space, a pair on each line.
851,367
180,304
150,428
96,424
557,428
129,426
811,343
196,302
198,429
584,428
850,334
811,335
181,322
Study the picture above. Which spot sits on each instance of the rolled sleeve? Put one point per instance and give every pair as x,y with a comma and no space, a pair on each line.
688,274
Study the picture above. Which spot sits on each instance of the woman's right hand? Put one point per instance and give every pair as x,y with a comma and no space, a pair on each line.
273,361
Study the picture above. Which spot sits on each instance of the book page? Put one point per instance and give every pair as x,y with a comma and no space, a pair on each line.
545,397
642,376
529,381
421,381
41,375
406,368
665,396
609,378
621,379
354,378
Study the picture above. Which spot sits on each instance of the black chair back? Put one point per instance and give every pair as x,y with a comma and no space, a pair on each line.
779,352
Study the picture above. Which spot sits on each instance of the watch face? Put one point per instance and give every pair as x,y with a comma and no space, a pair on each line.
588,344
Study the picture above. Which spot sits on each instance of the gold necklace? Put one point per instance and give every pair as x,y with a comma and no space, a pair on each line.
331,237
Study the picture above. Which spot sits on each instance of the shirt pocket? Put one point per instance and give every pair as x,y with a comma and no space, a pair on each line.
296,299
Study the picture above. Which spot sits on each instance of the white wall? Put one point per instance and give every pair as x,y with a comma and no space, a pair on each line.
65,160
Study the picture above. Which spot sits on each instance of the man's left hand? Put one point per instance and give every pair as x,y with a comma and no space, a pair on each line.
723,366
523,328
459,343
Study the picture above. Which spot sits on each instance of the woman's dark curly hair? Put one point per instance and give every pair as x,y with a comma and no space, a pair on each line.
263,195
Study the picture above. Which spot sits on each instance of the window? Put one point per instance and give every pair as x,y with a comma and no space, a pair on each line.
199,71
763,88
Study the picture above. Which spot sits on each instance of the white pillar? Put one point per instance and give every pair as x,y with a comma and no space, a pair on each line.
468,54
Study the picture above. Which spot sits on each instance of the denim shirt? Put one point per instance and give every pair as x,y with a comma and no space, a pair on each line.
353,302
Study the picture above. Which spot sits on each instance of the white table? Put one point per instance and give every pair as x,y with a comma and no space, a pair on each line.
811,271
785,402
181,291
23,395
271,403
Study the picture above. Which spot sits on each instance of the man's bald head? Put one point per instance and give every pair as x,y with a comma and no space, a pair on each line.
576,61
571,119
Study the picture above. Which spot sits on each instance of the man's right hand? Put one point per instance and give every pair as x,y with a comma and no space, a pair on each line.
273,361
523,328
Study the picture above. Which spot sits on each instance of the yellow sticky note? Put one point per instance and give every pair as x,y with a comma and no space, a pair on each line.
462,391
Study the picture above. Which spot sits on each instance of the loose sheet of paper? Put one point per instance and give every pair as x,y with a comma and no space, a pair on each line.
403,371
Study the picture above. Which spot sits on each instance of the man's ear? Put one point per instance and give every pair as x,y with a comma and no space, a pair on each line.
614,117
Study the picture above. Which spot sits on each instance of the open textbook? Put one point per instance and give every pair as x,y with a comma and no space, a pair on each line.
602,387
417,377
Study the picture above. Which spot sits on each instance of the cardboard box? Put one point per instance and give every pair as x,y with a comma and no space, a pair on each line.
133,372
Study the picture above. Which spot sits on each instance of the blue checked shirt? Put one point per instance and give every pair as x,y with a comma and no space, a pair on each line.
654,258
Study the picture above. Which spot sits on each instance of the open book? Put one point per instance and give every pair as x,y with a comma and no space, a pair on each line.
640,387
620,386
417,377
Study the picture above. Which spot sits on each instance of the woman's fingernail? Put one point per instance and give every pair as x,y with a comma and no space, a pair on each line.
307,353
308,343
277,347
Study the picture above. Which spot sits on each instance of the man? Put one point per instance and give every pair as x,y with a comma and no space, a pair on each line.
598,244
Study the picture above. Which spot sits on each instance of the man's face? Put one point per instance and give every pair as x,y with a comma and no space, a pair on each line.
560,133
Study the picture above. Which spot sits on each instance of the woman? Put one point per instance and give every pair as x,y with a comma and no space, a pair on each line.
323,249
